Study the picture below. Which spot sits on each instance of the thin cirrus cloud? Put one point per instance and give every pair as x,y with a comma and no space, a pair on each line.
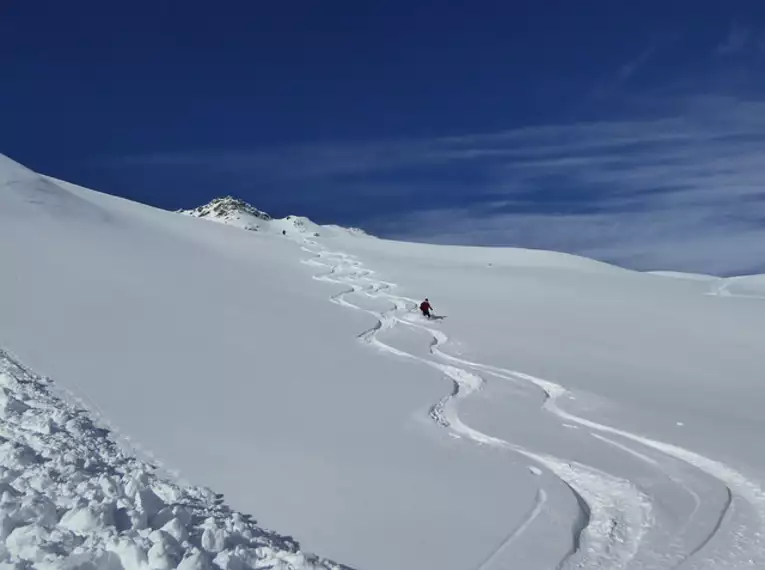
737,41
682,192
614,81
741,40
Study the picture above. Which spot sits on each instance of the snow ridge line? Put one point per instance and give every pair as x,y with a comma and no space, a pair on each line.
70,496
614,513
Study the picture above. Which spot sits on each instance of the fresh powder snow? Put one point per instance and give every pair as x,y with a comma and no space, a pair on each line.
163,378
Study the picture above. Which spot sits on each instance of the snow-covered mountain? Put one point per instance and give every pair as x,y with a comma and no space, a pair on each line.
237,212
230,210
563,413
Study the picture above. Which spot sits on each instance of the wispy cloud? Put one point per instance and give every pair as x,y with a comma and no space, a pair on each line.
631,67
655,45
612,82
685,191
737,41
572,142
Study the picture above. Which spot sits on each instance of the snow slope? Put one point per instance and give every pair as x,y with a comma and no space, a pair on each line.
69,496
213,351
626,387
565,413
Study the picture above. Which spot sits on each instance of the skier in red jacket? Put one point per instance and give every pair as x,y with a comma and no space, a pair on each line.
426,308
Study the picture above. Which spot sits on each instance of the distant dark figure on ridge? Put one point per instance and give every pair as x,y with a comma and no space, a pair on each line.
426,308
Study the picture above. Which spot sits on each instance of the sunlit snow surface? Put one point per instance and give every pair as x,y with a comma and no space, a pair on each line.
564,414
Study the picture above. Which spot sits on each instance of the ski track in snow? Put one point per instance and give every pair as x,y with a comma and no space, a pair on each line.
721,288
621,524
72,498
491,560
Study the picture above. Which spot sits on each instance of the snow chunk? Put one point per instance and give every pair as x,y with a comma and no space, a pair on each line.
165,553
196,561
213,539
176,529
149,503
90,518
131,555
10,405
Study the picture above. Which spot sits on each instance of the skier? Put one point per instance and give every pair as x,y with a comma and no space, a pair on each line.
426,308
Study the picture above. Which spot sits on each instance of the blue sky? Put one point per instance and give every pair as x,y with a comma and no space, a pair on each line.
630,132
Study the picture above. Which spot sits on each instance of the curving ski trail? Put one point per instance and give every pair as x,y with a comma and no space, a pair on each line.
745,528
613,526
721,288
614,514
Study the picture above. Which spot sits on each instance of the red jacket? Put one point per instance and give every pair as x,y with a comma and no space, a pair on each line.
425,306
